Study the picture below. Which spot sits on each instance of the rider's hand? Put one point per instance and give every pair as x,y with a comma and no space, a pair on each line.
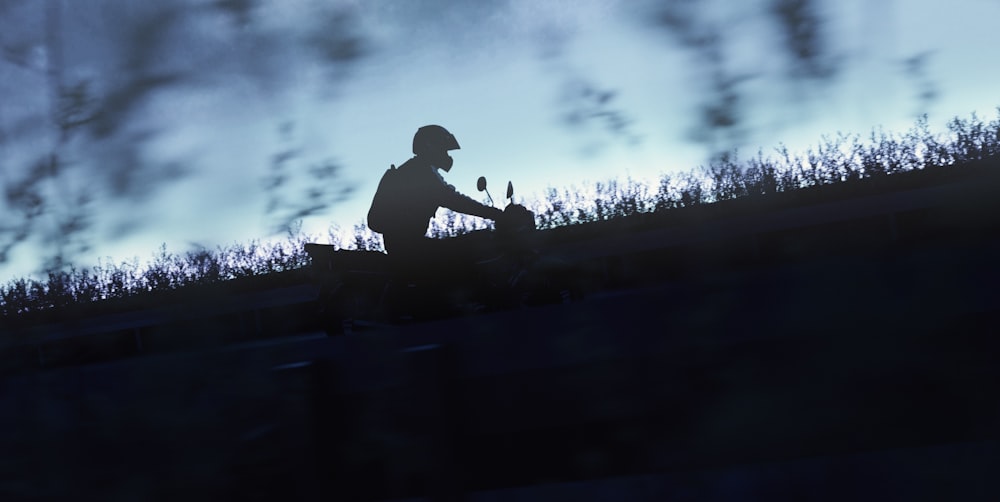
517,217
495,214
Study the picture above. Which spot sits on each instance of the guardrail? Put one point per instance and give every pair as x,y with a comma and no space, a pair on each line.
612,391
241,316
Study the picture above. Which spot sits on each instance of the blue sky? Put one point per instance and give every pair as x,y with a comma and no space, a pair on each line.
501,76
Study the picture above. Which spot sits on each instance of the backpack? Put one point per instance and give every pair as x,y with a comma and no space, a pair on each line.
388,194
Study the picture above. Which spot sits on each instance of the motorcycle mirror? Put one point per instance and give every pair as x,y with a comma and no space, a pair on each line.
481,186
510,189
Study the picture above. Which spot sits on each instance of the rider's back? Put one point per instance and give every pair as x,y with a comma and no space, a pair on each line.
410,195
405,201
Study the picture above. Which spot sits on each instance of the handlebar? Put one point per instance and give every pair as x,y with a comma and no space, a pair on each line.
516,218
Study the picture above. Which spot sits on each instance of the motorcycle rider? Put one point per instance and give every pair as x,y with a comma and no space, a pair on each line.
409,196
404,203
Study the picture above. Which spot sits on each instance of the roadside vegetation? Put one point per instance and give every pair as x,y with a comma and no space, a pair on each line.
836,159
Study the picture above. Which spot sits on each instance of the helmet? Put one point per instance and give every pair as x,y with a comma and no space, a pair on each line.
433,140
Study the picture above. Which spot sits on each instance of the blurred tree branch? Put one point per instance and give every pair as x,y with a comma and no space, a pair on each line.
99,85
696,26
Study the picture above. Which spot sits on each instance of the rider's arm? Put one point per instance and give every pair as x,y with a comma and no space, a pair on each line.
456,201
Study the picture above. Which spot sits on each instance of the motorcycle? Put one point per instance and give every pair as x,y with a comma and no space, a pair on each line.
366,289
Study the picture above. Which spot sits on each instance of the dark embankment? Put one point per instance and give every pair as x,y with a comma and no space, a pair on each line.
829,343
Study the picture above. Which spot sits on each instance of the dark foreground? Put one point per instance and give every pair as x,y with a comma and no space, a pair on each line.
849,358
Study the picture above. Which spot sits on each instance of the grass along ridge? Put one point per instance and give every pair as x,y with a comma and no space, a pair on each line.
836,159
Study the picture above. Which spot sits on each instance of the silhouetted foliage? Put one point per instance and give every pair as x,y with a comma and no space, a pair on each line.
838,159
166,271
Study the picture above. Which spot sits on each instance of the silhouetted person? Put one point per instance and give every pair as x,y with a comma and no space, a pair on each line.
408,197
